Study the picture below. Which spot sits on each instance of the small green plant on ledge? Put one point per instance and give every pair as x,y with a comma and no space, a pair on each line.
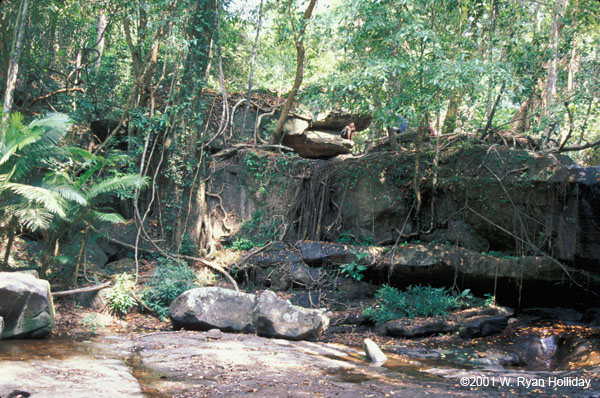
415,301
242,244
354,270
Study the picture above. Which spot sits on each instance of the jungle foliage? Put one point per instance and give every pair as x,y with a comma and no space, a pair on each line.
165,72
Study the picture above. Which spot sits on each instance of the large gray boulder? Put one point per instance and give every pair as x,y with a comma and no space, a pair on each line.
278,318
217,308
318,144
213,307
338,119
26,306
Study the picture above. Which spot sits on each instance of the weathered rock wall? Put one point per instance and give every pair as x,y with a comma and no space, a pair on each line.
487,199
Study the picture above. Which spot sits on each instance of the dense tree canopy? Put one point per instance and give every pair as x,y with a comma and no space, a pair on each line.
169,74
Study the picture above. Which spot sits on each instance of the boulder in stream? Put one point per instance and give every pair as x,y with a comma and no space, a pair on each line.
26,306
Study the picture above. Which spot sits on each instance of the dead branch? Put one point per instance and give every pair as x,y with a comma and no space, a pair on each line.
52,94
576,147
238,147
81,290
252,253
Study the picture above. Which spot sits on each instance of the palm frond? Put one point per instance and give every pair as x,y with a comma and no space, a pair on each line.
113,218
85,176
80,153
18,144
114,184
53,127
51,201
35,218
69,193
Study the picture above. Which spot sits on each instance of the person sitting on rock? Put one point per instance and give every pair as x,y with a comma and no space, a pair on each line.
349,131
402,125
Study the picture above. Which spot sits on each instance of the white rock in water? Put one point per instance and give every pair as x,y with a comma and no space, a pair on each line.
374,353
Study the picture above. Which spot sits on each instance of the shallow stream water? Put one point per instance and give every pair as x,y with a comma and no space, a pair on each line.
188,364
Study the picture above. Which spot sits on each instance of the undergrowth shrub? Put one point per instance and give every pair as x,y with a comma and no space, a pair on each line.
169,280
415,301
121,297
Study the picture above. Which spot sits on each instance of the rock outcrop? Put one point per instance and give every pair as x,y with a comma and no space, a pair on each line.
337,120
523,209
473,322
318,137
26,306
217,308
318,144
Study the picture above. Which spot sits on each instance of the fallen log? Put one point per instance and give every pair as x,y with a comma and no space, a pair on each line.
81,290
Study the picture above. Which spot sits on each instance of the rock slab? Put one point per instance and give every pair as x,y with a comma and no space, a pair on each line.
26,306
229,311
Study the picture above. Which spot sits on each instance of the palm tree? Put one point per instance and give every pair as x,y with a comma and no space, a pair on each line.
27,198
87,215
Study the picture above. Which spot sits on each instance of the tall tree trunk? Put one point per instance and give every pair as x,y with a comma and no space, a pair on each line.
100,34
252,62
15,54
451,114
573,53
559,12
200,31
9,242
491,83
278,134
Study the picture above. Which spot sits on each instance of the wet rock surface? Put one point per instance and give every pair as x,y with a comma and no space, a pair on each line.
67,368
200,364
25,306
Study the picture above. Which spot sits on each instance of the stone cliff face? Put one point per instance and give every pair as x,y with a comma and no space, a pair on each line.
485,199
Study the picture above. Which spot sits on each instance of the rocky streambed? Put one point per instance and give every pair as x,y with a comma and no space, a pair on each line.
217,364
